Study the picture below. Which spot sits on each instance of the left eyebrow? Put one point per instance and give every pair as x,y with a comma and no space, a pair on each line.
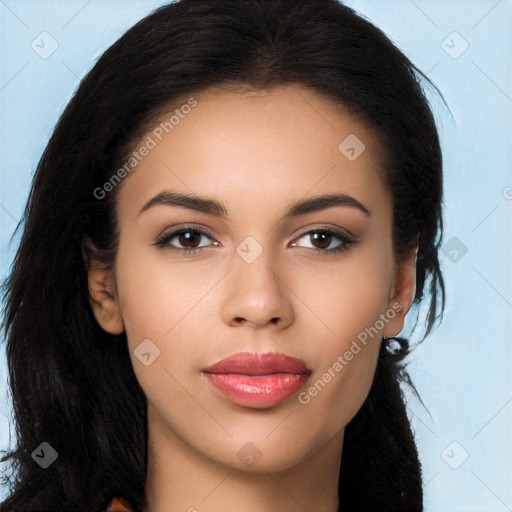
218,209
318,203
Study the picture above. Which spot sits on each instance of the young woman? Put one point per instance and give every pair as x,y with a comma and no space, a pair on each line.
230,222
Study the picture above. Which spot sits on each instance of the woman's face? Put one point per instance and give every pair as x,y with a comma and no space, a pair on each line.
273,270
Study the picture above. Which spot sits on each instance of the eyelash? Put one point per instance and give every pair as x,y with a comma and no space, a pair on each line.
163,240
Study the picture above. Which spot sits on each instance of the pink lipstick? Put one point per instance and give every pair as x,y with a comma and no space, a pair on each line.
254,380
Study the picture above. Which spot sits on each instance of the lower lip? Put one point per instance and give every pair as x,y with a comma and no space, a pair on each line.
265,390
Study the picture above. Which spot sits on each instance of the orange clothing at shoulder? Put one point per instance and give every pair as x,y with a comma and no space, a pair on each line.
119,504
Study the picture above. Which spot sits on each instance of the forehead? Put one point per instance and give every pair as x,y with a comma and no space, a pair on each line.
285,142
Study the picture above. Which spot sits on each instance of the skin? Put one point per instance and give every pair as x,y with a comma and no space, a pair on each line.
257,152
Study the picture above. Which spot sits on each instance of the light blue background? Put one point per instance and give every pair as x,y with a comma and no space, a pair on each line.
463,370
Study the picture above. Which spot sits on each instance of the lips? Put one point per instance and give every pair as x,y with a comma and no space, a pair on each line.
257,380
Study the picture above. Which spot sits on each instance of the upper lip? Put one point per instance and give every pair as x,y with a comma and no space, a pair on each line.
250,363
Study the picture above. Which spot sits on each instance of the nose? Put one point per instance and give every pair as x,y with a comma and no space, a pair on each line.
256,295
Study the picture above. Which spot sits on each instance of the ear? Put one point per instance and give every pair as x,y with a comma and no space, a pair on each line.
402,292
102,292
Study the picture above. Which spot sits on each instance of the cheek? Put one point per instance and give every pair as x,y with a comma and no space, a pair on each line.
157,299
349,297
350,303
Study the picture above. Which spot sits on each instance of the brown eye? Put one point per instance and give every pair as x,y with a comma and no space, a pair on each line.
189,239
185,240
321,239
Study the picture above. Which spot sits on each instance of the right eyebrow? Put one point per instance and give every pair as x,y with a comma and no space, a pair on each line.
191,202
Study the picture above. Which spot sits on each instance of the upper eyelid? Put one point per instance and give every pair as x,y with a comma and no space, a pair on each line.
165,237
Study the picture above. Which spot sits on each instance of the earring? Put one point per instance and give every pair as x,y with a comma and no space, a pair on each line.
392,345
